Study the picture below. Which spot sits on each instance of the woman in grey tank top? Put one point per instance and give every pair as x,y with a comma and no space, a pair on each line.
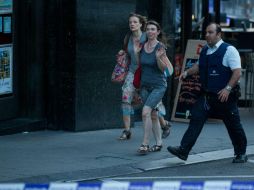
154,62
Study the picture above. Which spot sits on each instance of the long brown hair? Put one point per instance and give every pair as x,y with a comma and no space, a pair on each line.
142,20
162,36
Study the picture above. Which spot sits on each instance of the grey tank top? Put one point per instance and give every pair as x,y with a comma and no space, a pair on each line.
151,74
133,64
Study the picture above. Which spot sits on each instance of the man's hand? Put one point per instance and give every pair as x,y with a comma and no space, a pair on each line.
223,95
183,75
190,71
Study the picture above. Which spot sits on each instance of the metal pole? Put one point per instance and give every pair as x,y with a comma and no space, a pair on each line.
205,14
216,7
186,23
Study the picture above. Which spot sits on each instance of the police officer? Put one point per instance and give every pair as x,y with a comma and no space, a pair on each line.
219,67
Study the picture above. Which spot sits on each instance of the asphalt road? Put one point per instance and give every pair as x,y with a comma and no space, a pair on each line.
213,170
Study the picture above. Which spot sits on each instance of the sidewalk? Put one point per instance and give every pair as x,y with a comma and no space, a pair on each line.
50,156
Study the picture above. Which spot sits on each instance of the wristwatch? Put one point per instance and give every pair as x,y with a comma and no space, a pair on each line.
229,88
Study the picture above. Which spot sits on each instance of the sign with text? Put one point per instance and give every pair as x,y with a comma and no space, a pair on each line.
5,6
189,88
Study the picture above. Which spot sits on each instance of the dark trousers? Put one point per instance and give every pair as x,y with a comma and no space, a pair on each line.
208,105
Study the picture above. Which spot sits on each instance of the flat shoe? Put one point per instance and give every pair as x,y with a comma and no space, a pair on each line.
155,148
126,135
166,130
143,149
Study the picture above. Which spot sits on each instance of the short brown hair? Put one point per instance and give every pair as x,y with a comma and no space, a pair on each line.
218,27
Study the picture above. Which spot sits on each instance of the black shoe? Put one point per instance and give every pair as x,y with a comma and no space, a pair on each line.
178,151
166,130
240,158
126,135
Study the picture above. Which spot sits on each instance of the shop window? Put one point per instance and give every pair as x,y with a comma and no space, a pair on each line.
6,53
239,13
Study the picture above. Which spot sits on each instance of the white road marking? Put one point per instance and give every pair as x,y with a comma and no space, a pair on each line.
179,177
192,159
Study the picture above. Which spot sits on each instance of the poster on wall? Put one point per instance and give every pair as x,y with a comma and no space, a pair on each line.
5,6
7,25
188,89
6,86
1,24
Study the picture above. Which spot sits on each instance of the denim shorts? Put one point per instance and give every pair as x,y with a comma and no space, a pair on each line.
151,96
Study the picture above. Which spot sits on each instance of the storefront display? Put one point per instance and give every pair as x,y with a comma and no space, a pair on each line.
5,69
5,6
6,54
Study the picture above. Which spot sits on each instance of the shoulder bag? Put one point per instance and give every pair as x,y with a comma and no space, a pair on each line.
121,68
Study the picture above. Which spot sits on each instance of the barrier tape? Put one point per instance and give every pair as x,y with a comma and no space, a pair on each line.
157,185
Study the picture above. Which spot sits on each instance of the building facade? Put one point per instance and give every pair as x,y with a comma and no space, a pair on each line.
61,55
57,57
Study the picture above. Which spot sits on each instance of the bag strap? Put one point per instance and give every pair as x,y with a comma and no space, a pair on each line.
126,41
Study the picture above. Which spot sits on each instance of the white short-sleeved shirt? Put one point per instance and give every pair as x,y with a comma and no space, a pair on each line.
231,58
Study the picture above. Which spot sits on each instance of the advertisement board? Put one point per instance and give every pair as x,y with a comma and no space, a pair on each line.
188,89
5,6
6,76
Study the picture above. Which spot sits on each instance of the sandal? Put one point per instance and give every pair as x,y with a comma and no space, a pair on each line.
166,129
155,148
125,135
143,149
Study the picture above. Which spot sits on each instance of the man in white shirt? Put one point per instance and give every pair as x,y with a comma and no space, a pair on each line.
219,67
